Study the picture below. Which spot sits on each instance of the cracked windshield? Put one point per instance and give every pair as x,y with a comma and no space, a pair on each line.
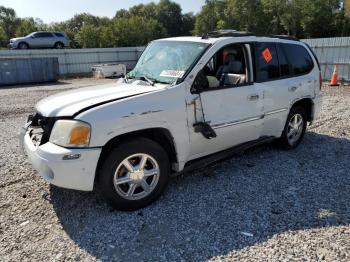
166,61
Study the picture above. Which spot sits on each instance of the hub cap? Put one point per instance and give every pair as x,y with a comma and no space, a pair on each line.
295,129
136,176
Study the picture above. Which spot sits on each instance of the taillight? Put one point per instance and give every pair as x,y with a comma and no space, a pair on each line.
321,80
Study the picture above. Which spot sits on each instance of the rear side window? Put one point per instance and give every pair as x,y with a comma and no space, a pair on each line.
266,62
299,59
59,35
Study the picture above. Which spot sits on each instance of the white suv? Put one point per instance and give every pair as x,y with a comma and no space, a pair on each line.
189,101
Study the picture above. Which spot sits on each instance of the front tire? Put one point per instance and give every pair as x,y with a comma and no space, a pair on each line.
23,45
294,129
134,174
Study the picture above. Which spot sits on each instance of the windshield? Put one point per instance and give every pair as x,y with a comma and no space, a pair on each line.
167,61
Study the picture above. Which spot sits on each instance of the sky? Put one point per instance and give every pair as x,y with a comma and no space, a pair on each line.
60,10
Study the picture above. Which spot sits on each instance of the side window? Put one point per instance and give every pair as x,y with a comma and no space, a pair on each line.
59,35
43,35
228,67
300,60
267,62
284,66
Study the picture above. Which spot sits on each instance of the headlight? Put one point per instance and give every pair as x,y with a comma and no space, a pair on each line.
71,133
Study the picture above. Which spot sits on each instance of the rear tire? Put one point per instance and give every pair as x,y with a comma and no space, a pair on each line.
59,45
134,174
23,45
294,129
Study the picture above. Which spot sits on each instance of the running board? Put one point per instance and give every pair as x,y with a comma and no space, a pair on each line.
228,153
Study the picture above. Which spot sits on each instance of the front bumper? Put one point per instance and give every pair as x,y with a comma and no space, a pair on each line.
47,159
12,45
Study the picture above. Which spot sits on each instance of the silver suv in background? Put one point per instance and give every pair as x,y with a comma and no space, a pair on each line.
40,40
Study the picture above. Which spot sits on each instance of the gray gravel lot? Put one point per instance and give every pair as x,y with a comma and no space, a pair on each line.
265,204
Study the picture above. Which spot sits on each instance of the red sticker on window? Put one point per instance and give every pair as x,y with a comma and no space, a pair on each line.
267,55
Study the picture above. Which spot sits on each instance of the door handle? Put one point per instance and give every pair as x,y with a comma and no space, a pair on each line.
253,97
292,88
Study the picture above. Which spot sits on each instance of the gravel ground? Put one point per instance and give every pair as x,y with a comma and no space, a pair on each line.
265,204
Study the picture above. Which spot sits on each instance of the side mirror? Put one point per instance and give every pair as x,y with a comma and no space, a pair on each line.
200,83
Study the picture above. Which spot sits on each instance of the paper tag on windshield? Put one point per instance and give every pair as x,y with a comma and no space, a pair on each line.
172,73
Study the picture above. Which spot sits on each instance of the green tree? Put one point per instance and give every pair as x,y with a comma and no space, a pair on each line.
8,21
26,26
247,15
212,16
292,16
169,14
136,31
188,22
3,41
88,37
318,18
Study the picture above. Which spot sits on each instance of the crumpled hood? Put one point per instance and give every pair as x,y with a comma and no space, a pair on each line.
72,102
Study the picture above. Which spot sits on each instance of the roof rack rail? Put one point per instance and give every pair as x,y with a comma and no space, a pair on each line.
235,33
226,33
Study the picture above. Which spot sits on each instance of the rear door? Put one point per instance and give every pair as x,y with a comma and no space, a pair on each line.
284,79
301,65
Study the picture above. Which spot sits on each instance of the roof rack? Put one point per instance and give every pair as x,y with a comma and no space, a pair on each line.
235,33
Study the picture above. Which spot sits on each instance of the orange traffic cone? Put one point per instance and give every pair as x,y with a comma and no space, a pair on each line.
334,80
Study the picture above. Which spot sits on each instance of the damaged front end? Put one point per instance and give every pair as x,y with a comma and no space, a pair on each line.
39,128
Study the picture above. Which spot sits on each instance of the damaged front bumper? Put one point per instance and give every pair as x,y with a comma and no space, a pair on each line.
62,167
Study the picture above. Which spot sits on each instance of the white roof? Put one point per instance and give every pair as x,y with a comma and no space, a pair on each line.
219,39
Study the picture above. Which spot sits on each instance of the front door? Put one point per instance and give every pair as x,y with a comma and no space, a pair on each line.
232,105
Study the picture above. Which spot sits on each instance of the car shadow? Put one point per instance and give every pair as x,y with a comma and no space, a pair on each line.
223,208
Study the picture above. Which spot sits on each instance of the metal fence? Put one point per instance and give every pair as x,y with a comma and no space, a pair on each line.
331,52
80,61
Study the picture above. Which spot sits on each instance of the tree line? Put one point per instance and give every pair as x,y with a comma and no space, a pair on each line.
144,22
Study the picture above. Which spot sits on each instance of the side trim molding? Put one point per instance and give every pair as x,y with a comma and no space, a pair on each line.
246,120
276,111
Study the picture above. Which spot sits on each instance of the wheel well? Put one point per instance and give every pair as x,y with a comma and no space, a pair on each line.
58,42
160,135
23,42
307,104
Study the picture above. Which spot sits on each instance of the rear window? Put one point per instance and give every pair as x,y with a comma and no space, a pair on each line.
267,62
299,59
59,35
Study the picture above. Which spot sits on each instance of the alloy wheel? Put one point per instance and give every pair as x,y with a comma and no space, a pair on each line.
136,176
295,129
